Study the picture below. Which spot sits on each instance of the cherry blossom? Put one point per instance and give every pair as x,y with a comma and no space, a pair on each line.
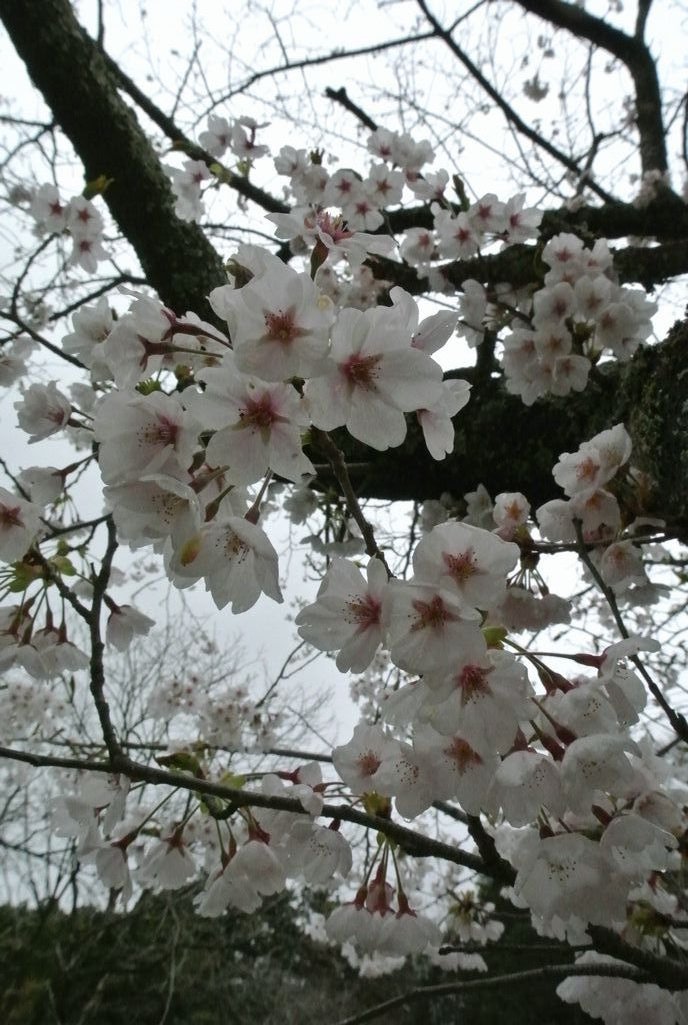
467,562
19,524
183,419
43,410
372,378
236,560
317,853
186,185
260,425
524,782
140,436
347,614
426,627
279,325
359,761
168,863
436,421
124,623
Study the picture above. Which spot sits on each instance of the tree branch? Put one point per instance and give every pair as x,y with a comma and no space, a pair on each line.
510,114
414,843
513,979
631,51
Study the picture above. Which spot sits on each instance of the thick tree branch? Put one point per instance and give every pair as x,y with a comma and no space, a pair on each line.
520,266
665,219
510,447
166,124
631,51
413,842
663,970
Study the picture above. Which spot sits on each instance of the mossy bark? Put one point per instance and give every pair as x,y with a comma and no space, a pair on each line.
511,447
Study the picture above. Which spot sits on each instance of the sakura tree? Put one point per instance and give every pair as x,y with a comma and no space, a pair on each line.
391,330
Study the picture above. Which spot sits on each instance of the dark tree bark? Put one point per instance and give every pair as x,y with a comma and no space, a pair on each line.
510,447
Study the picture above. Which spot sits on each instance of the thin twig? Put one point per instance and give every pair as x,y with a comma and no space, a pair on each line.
337,461
513,979
677,720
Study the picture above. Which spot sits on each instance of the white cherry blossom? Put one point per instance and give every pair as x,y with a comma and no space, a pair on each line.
143,435
124,623
372,378
469,563
19,524
523,783
42,410
347,615
260,425
358,761
436,421
279,324
236,560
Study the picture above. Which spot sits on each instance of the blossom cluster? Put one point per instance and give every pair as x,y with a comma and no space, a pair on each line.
189,424
579,314
78,217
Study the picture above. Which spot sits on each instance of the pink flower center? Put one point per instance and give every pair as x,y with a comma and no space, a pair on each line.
333,226
163,432
9,516
460,567
259,413
361,371
365,611
432,615
282,327
235,549
513,511
462,754
368,763
587,469
472,680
